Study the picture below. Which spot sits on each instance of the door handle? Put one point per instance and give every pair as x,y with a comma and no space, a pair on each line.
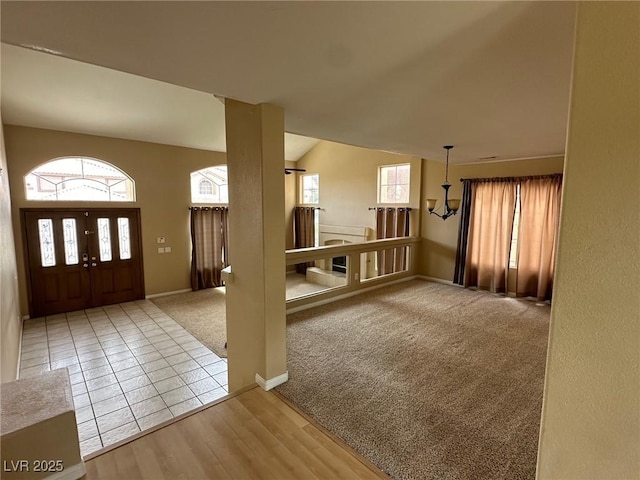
94,264
85,265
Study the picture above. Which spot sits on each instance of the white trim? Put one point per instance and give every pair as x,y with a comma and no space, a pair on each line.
25,317
164,294
350,294
438,280
272,382
74,472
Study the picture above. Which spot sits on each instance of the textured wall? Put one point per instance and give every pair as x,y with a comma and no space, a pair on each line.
591,410
349,179
10,324
256,319
161,173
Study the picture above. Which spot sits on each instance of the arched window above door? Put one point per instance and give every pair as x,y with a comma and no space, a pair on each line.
79,178
210,185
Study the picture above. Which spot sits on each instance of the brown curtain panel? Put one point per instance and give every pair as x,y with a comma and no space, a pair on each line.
392,223
208,246
304,232
463,232
539,217
490,225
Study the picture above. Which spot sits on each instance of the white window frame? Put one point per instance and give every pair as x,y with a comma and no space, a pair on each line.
220,187
302,189
408,184
66,178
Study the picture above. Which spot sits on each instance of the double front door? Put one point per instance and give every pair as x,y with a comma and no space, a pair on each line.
82,258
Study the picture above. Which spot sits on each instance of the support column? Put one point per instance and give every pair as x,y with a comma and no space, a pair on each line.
256,313
591,409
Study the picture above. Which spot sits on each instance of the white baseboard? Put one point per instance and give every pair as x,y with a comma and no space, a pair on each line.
25,317
349,294
74,472
438,280
164,294
272,382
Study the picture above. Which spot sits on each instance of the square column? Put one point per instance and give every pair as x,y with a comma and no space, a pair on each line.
256,310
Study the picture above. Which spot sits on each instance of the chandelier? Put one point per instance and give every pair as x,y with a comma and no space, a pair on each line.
450,205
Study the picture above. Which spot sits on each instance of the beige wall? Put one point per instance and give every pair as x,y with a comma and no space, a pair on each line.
256,320
591,408
349,179
440,238
10,324
161,174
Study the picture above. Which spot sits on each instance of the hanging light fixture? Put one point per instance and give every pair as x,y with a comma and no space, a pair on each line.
450,205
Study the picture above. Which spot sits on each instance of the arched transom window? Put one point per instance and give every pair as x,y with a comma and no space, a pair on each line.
79,178
209,185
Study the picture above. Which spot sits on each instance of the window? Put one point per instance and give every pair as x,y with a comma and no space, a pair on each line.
393,183
310,191
310,194
210,185
70,237
206,187
513,253
79,178
104,239
47,246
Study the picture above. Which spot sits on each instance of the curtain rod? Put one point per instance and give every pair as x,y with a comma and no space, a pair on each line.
509,179
209,208
391,208
315,208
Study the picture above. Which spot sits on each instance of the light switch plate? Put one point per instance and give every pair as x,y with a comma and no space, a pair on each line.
167,249
161,250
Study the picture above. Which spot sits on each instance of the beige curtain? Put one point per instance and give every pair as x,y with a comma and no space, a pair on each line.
490,227
392,223
209,246
539,217
304,232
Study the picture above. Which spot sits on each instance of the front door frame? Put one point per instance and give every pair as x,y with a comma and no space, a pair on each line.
75,210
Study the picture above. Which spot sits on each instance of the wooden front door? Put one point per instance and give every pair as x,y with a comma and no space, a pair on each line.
82,258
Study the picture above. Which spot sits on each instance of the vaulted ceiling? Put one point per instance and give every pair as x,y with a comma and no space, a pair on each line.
491,78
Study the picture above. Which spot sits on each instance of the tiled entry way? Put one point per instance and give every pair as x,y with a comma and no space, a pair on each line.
131,367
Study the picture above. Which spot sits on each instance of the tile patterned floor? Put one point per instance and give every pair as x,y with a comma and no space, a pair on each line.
131,367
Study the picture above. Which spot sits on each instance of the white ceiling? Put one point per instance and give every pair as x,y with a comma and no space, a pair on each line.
48,91
491,78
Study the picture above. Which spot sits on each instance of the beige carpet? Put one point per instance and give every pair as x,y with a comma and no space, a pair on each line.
201,313
428,381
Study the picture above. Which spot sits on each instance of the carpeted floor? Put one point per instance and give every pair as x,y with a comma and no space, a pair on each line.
428,381
201,313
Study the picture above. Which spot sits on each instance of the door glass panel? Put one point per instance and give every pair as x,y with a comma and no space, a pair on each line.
47,247
124,238
104,239
70,241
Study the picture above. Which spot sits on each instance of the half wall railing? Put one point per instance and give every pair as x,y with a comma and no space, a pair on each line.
342,270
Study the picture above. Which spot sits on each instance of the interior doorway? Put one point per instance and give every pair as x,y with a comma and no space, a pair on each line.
82,258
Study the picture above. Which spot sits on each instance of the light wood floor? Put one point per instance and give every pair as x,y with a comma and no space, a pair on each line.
252,435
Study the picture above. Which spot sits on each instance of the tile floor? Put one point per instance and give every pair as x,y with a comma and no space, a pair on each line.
131,367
